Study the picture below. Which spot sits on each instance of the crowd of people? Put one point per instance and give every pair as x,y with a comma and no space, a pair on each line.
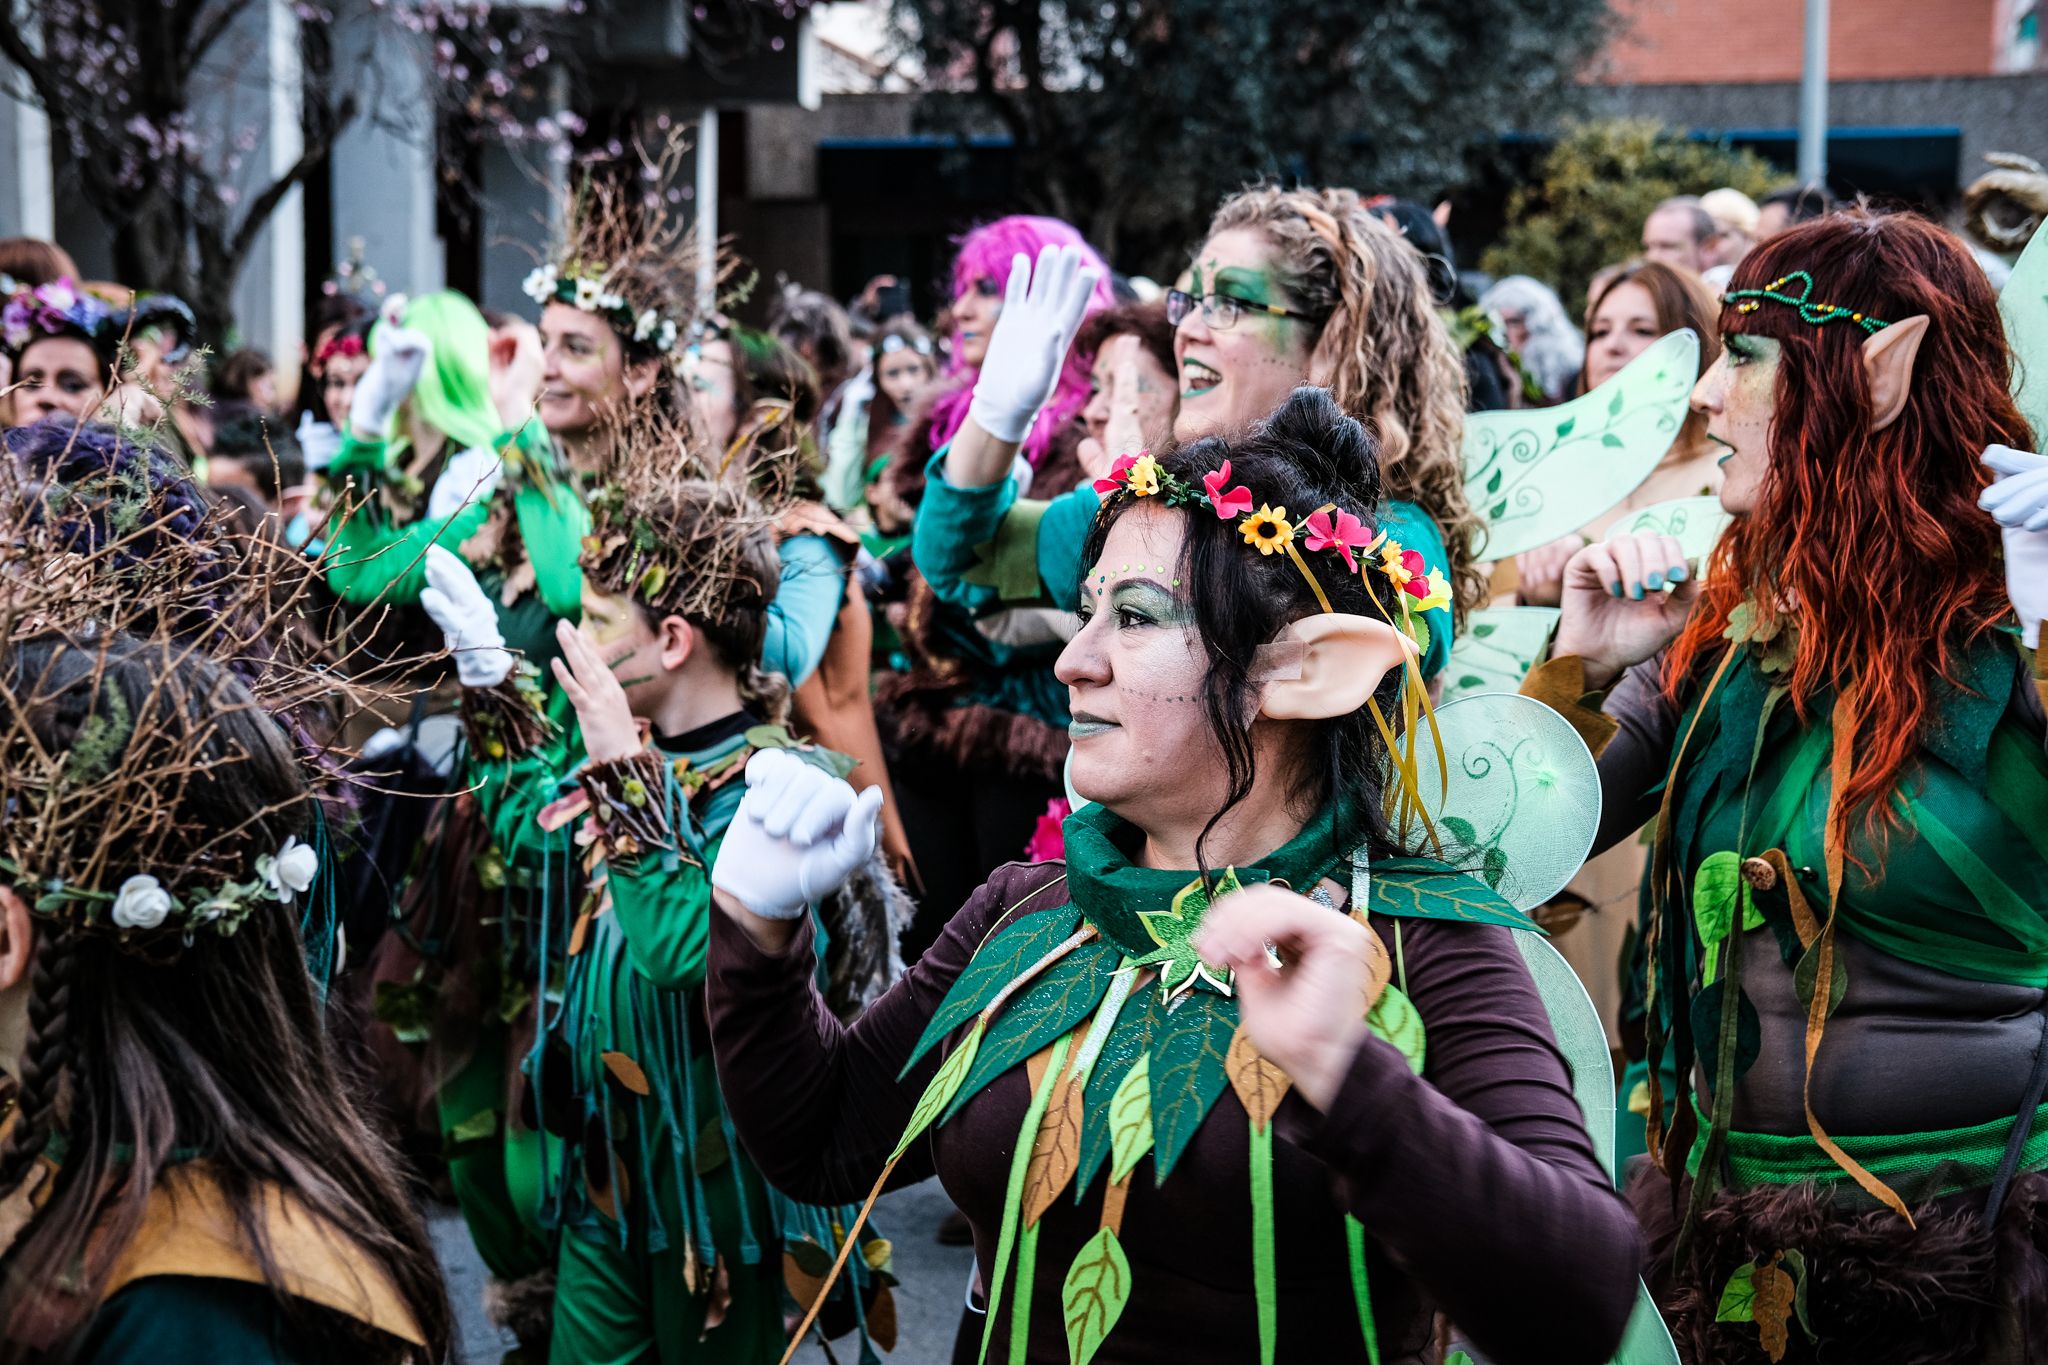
656,783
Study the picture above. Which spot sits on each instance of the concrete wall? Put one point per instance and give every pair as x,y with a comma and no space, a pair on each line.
1995,113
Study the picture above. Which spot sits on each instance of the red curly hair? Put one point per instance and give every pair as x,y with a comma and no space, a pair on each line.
1870,542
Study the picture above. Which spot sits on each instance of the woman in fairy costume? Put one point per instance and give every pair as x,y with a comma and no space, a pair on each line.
670,1246
1838,737
1291,287
755,398
1144,1180
428,460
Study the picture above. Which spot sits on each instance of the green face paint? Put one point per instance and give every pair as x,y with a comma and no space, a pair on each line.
1253,286
1139,602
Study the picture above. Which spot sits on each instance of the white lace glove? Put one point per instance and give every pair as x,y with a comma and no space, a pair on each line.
463,611
319,442
2018,502
798,835
400,360
1042,310
469,476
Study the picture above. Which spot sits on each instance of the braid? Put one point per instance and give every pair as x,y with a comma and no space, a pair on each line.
46,1062
767,693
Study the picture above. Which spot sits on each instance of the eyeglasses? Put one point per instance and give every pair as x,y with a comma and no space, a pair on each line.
893,343
1221,311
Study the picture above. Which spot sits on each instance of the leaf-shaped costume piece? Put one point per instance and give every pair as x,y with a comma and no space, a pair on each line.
1537,474
1098,1284
1181,969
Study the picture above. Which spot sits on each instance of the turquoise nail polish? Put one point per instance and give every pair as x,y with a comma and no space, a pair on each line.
1614,588
1654,580
1635,590
1679,573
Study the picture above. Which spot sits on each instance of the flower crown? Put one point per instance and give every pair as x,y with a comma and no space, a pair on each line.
1267,529
647,329
142,903
1818,314
57,308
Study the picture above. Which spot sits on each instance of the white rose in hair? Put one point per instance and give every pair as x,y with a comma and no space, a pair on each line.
292,870
141,903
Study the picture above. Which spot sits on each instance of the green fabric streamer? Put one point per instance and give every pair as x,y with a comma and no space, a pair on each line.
1361,1286
1265,1291
1013,1203
1971,1155
1020,1304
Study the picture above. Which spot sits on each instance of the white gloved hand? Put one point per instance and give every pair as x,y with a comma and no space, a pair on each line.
469,476
463,611
1042,310
798,835
400,360
2018,502
319,442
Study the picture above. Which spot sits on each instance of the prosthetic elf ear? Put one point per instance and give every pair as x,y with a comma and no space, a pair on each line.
1888,362
1325,666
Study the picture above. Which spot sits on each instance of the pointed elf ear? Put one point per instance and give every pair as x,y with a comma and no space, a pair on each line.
1325,666
1888,362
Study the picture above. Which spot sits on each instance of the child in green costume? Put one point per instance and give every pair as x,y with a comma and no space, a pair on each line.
671,1247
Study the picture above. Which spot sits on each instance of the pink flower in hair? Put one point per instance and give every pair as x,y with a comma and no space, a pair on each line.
1113,482
1343,534
1235,503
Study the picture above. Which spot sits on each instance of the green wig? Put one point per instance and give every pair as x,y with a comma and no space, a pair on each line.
454,393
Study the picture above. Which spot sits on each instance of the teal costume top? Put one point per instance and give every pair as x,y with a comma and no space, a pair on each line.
980,548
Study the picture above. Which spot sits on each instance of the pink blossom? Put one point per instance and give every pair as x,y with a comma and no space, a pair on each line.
1235,503
1345,534
1049,837
1117,472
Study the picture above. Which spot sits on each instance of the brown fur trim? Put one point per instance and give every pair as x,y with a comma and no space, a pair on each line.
1878,1292
524,1307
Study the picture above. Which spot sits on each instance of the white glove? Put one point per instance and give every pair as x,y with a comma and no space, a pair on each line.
798,835
319,442
1042,310
401,359
463,611
469,476
2018,502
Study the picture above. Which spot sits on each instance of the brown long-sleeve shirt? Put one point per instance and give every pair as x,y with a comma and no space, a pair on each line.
1475,1181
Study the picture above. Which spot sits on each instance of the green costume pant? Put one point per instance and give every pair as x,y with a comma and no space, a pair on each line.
621,1307
494,1168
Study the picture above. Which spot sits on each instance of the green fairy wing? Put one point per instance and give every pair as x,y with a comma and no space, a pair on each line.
1499,647
1583,1040
2023,303
1518,802
1696,522
1539,473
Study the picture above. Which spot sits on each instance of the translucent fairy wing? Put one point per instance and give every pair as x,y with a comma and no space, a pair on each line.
1499,647
1518,801
2024,305
1536,474
1696,522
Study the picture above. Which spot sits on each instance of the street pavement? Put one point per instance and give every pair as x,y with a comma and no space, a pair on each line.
934,1283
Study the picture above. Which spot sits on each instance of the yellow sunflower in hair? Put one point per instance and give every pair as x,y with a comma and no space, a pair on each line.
1267,530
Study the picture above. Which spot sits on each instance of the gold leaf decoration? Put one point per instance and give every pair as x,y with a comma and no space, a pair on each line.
1260,1085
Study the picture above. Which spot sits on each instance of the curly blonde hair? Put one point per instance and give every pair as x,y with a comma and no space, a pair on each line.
1382,351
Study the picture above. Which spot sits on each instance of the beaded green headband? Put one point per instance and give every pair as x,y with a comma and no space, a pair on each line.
1818,314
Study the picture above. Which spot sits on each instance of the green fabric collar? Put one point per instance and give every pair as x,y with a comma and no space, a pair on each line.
1112,891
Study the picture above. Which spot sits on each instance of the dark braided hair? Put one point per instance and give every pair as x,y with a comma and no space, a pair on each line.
46,1062
139,1057
1307,454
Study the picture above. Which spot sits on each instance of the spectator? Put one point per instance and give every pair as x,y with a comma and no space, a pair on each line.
1539,334
338,364
1735,215
1133,385
1791,206
874,415
333,315
30,261
1677,232
246,376
815,327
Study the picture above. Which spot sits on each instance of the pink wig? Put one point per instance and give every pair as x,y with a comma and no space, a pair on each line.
986,252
